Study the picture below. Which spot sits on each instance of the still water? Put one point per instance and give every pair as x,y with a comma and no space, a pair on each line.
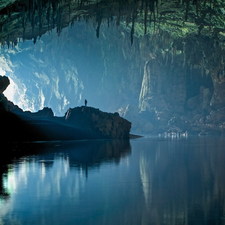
144,181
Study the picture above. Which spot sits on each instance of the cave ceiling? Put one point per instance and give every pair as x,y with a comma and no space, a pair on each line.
30,19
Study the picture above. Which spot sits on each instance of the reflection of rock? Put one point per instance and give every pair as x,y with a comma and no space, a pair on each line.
80,155
106,125
188,180
95,152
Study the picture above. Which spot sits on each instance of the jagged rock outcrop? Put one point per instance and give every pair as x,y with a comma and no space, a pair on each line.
4,83
43,113
105,125
78,123
3,103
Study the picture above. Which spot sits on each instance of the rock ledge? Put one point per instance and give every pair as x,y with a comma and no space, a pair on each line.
104,125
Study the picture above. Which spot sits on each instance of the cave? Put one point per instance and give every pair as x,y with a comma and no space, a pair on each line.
112,112
153,62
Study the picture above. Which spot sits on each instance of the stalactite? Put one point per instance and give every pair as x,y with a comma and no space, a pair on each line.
40,18
132,30
184,52
24,25
118,20
53,13
172,54
108,20
99,21
146,14
32,18
48,14
142,5
8,43
214,4
154,18
197,5
58,18
15,42
187,9
128,19
204,3
210,3
35,39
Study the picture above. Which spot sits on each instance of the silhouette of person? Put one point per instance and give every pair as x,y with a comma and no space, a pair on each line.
85,102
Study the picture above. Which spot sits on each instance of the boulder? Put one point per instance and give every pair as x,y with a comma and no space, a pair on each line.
4,83
3,103
45,112
205,97
218,100
104,125
216,116
193,103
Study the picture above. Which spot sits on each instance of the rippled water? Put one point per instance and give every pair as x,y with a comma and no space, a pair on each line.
144,181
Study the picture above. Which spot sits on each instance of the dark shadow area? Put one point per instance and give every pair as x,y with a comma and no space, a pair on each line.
78,124
15,129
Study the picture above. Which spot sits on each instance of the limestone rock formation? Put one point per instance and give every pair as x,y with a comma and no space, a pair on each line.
4,83
43,113
78,123
3,103
105,125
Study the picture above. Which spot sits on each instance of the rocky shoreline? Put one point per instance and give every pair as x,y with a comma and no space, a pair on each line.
90,123
77,124
168,124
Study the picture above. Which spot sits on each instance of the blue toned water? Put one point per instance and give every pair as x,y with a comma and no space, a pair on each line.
144,181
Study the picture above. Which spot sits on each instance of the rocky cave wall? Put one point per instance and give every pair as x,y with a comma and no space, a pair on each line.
160,84
60,72
169,81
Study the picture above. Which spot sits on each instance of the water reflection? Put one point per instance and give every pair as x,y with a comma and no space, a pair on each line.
60,157
183,181
163,181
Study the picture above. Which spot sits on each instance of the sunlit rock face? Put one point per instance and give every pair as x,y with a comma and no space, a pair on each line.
43,71
59,72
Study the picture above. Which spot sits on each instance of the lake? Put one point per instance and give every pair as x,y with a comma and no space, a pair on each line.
141,181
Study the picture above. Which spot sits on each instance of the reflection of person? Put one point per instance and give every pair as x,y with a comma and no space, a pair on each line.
85,102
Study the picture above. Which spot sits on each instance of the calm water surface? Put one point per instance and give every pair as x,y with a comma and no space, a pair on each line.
144,181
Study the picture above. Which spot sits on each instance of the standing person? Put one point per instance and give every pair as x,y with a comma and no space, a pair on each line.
85,102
